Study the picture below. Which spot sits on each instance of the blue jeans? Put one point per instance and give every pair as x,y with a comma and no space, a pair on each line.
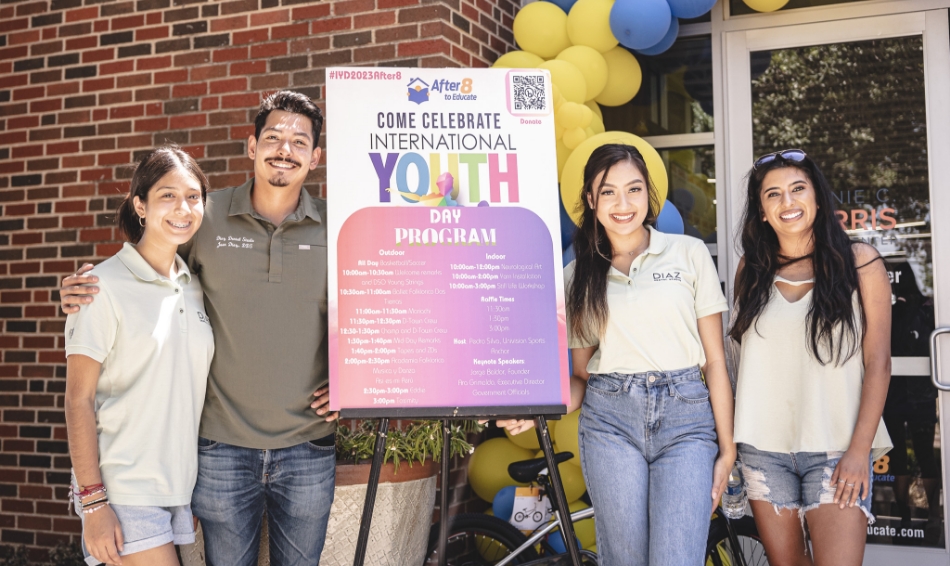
236,485
648,444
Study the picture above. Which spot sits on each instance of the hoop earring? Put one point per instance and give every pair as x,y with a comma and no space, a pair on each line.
142,221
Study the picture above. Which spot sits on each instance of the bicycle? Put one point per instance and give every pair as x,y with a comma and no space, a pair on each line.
482,540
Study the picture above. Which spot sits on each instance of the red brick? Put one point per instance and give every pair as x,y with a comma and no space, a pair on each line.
12,25
192,58
153,18
211,103
62,147
385,4
353,7
100,26
241,100
227,24
116,67
188,121
115,158
62,89
94,175
90,13
331,24
80,43
248,68
269,18
29,92
270,82
98,55
374,53
196,151
72,525
20,152
320,10
242,133
128,22
266,50
14,52
401,33
78,191
20,210
310,44
92,85
153,63
228,85
292,30
374,20
151,125
186,90
69,206
233,54
78,161
78,221
175,76
53,357
424,47
250,36
107,250
27,37
148,34
209,72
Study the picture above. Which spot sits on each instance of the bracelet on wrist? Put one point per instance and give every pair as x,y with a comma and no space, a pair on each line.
94,509
92,503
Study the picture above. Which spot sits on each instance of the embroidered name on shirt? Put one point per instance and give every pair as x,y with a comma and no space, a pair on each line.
671,276
233,242
203,318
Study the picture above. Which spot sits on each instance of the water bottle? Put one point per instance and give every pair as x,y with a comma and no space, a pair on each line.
733,500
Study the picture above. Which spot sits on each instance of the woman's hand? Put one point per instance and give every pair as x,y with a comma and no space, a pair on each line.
516,426
721,470
851,478
103,535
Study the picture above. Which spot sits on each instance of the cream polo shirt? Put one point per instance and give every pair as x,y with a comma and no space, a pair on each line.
154,341
652,323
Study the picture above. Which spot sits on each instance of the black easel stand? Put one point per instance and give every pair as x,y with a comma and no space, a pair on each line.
379,450
560,500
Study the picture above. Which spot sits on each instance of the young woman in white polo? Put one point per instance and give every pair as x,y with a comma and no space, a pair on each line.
645,331
136,368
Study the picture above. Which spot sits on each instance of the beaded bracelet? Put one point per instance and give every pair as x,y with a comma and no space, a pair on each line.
91,503
94,509
90,489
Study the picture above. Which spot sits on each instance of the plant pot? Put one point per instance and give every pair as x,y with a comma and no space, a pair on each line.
402,515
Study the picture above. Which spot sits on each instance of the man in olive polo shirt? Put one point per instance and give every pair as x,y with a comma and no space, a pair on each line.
266,436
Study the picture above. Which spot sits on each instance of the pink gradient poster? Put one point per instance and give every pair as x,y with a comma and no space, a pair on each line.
445,283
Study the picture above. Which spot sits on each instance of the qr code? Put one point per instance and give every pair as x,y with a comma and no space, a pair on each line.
528,92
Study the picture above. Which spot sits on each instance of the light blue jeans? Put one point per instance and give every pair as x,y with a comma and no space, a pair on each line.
648,444
235,486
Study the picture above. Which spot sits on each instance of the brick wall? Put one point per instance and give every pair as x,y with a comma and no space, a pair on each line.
87,84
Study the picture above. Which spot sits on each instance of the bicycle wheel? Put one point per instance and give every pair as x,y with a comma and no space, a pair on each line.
720,551
478,540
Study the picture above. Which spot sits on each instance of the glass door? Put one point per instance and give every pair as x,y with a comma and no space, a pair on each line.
868,98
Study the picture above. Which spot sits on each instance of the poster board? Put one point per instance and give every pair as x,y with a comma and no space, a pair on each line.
446,293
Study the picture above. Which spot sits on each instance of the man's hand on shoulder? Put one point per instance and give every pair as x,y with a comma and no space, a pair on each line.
77,289
321,405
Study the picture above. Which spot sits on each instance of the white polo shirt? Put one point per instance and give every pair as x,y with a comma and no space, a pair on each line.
154,341
653,309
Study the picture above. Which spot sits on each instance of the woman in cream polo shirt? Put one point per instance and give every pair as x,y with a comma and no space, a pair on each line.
644,317
136,368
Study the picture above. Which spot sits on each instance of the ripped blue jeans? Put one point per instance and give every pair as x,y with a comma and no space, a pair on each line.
797,480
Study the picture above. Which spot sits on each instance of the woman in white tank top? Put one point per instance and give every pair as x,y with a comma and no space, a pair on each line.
813,325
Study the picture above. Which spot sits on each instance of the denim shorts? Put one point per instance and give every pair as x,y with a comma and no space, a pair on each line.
144,528
798,480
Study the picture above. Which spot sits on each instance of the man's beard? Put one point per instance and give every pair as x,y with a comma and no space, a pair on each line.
280,178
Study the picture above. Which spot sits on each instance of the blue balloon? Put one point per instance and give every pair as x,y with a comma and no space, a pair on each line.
557,542
567,226
664,43
670,220
687,9
504,502
565,5
640,24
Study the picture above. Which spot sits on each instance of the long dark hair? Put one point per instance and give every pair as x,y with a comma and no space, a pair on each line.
836,277
587,297
150,169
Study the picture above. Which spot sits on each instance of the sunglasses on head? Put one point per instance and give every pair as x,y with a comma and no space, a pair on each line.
793,155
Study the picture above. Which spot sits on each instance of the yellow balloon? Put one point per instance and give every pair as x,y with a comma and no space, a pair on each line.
584,529
594,107
573,480
541,28
488,467
562,154
589,24
589,131
570,115
527,439
573,137
765,5
597,125
566,76
518,60
566,437
551,426
623,78
558,131
586,115
572,176
591,64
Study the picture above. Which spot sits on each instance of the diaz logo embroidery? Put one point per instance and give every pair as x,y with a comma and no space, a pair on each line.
672,276
233,242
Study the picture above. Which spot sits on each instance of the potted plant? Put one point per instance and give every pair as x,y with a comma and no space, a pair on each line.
404,501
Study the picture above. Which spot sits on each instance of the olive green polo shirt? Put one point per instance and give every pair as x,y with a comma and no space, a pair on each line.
265,290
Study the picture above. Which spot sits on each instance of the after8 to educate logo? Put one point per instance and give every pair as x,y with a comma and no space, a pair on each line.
419,90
